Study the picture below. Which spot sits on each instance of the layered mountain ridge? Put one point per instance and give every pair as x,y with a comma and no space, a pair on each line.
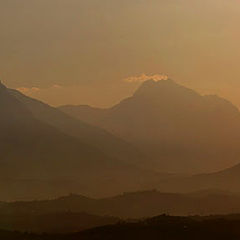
177,128
163,127
44,153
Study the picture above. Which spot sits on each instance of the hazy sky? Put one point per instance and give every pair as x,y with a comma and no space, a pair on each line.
80,51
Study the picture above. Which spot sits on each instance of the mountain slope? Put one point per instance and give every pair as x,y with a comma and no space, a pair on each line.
177,128
226,180
106,142
38,160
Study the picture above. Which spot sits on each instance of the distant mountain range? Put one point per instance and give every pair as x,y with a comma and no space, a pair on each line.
108,143
226,180
44,153
178,129
164,127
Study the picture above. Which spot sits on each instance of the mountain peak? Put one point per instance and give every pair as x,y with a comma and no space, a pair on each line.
170,88
152,82
151,85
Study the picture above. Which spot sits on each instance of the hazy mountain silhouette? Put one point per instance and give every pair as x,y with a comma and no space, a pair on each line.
177,128
37,159
131,205
106,142
226,180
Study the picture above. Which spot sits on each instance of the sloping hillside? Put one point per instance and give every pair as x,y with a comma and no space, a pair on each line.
38,160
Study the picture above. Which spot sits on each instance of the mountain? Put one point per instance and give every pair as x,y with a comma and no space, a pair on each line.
39,160
130,205
226,180
177,128
106,142
160,227
61,222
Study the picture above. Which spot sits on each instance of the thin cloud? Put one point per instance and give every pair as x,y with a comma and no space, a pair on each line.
30,90
144,77
56,86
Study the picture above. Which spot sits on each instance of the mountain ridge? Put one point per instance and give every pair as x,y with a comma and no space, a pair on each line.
133,204
39,159
103,140
177,128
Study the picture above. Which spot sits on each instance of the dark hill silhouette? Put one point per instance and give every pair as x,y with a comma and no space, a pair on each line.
161,227
177,128
61,222
132,205
38,160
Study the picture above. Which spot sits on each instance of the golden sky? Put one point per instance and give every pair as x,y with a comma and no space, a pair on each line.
82,51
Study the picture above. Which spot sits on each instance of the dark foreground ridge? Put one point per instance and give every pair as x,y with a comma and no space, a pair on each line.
161,227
